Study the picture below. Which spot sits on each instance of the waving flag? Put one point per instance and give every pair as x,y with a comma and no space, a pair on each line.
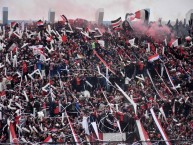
116,23
103,62
13,137
143,14
143,133
73,132
37,49
85,125
190,22
127,25
65,20
132,41
153,57
48,139
40,23
14,25
175,43
97,33
158,124
129,16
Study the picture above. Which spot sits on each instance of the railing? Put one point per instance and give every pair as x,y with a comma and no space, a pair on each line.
153,142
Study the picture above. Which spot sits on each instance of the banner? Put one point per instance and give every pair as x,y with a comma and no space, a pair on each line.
103,62
143,133
158,124
13,137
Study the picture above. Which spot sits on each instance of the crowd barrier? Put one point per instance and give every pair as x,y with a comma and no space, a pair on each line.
153,142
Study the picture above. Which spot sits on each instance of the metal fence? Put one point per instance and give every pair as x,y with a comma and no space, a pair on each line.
153,142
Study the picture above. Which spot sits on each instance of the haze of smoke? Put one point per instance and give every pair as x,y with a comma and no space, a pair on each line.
155,31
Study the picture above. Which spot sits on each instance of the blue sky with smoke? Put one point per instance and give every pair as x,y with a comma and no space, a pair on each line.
38,9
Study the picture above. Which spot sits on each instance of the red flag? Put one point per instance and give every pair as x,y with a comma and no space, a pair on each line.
64,38
48,139
13,137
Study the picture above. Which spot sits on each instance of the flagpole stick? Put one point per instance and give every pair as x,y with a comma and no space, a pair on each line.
164,82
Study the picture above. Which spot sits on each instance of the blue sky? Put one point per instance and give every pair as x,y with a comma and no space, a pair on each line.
38,9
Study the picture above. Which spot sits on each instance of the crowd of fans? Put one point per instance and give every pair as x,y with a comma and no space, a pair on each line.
71,81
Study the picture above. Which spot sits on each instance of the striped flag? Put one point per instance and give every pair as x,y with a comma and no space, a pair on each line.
40,23
116,23
76,139
143,133
158,124
14,25
153,57
143,14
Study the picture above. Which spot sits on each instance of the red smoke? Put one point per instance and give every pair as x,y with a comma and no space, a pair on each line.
158,33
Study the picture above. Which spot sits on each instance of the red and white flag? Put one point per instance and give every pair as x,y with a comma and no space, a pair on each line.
37,49
13,47
40,23
158,124
116,23
143,133
13,137
175,43
103,62
142,14
153,57
73,132
47,140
